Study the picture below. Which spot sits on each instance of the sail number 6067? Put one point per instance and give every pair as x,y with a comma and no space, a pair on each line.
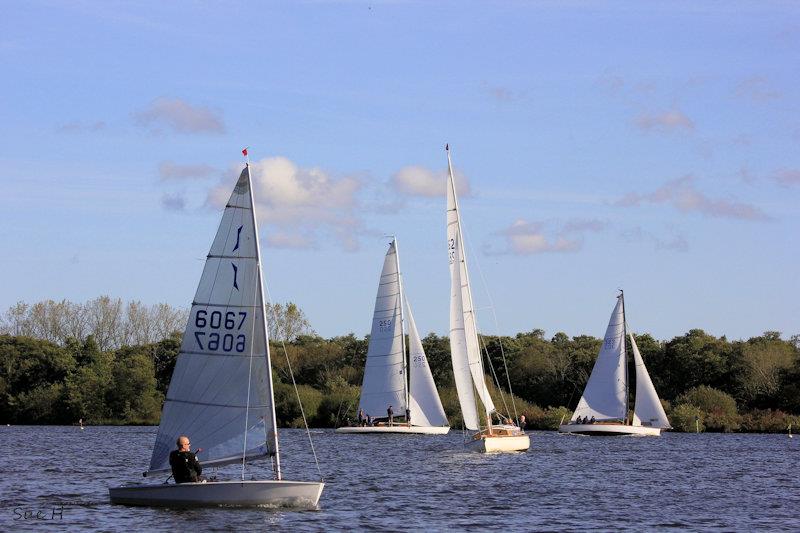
228,342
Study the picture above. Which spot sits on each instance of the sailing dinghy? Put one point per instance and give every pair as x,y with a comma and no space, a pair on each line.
392,377
221,393
603,407
465,349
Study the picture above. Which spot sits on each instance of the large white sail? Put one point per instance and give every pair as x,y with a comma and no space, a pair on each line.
647,410
458,346
223,354
458,262
426,407
384,375
604,395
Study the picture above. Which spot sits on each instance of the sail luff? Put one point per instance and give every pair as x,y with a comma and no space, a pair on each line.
268,361
406,374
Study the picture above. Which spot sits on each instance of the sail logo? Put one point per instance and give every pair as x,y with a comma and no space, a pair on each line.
238,236
235,273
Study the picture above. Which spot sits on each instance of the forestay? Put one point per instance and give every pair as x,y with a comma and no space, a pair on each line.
224,346
458,269
426,407
384,375
604,396
647,410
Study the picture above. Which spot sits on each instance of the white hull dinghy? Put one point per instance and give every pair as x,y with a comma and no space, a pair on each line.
221,393
401,429
465,350
393,375
267,493
603,407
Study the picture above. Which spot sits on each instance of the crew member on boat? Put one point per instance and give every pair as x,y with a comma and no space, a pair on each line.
390,413
185,466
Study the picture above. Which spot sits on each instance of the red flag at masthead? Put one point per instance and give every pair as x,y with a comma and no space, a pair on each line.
244,152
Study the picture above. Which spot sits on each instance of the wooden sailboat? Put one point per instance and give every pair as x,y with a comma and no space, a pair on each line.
221,393
603,407
465,350
392,376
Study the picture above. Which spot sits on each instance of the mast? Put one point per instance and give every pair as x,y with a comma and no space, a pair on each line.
466,281
406,365
625,352
274,435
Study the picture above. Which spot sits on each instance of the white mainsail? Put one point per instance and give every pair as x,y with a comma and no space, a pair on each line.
458,346
462,304
604,395
647,410
384,375
220,394
425,405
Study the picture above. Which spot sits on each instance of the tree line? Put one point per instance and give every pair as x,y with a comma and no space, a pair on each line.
56,368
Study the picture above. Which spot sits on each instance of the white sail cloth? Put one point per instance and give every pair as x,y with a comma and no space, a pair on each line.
464,347
426,407
223,353
458,348
647,410
604,395
384,375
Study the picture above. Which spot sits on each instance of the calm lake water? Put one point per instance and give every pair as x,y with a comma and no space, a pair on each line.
395,483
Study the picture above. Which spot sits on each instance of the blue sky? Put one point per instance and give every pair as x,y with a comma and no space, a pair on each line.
652,147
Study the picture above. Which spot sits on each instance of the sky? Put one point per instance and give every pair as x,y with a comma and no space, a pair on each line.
652,147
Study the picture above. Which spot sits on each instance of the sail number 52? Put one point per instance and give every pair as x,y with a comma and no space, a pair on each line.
230,321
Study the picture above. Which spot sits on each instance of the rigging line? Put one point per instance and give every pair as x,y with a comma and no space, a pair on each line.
297,393
250,366
499,341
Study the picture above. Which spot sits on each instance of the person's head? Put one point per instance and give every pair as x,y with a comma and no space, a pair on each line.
183,443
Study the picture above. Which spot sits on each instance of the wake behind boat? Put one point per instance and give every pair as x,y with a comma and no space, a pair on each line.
393,377
464,348
603,407
221,390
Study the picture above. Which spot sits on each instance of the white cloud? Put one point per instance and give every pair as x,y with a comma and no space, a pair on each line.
682,194
421,181
666,122
787,177
757,88
527,238
277,239
173,202
171,171
179,116
676,242
77,126
304,204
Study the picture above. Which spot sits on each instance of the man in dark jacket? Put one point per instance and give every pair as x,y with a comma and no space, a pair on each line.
185,466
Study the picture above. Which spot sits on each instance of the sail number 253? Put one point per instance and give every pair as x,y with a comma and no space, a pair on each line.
230,321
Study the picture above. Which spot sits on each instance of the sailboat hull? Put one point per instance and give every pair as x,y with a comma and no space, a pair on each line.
609,430
499,444
267,493
406,430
